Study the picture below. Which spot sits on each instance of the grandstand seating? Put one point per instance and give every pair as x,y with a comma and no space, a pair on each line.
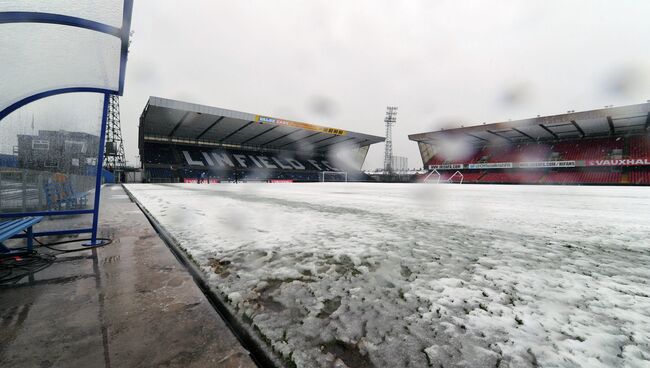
472,176
497,177
523,152
573,150
524,177
566,176
559,177
580,150
159,172
159,154
592,149
639,147
167,163
164,175
582,177
639,177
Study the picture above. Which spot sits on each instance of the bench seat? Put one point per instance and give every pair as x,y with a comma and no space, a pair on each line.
9,229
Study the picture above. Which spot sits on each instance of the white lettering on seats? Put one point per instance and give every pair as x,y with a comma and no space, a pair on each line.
222,159
241,159
265,161
190,161
277,161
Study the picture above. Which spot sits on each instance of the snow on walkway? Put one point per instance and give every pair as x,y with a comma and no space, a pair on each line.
396,275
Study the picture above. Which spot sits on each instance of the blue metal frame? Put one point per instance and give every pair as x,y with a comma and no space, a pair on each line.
58,232
98,174
46,213
66,20
37,17
123,33
27,100
9,231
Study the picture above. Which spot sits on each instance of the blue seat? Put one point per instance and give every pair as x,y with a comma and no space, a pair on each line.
52,196
74,199
59,194
11,228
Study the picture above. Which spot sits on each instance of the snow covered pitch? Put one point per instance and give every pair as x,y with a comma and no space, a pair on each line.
396,275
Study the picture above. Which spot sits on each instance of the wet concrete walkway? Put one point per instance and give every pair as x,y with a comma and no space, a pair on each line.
130,304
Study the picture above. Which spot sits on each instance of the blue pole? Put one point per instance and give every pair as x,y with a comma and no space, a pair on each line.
98,176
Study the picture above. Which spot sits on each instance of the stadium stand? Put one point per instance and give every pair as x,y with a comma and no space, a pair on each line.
507,177
639,146
607,146
578,177
185,142
639,177
472,177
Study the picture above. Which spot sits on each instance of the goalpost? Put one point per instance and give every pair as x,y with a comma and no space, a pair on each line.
323,174
431,173
439,177
459,174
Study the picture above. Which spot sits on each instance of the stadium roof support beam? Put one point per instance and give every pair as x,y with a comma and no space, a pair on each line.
259,135
524,134
549,131
499,135
178,125
301,139
477,137
236,131
335,143
582,132
361,140
612,131
631,119
280,137
209,127
324,139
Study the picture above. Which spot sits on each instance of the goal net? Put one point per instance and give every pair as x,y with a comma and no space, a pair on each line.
332,176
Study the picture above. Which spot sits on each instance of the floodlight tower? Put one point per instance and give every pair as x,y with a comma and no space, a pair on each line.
114,152
390,120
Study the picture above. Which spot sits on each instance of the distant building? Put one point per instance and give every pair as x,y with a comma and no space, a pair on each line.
58,151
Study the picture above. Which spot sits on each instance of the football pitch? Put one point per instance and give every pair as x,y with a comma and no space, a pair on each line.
396,275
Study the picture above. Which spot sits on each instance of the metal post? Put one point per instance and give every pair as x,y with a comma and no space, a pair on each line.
24,189
98,176
30,239
39,190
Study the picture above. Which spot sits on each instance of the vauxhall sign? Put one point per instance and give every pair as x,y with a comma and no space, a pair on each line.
621,162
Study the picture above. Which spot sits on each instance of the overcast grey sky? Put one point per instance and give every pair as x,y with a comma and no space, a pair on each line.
340,63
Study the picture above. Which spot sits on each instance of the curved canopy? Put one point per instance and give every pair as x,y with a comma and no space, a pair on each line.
60,46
